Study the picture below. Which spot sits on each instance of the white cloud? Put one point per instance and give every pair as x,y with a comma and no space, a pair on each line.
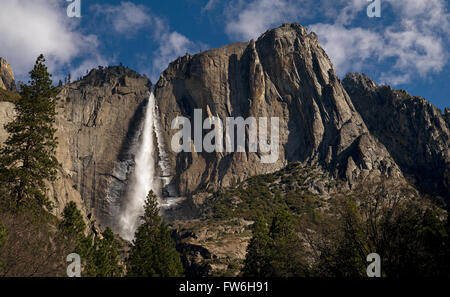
126,17
415,40
348,48
430,16
30,28
172,45
347,14
249,20
86,65
414,50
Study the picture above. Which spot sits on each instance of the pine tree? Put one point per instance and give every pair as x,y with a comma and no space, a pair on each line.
72,223
104,259
73,228
256,262
28,156
153,253
275,252
286,252
100,257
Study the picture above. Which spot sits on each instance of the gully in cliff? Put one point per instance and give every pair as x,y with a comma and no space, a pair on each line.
213,140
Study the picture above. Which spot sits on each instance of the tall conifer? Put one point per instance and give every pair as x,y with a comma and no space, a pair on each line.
27,159
153,253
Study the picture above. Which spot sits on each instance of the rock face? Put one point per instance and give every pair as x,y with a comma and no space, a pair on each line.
7,81
416,133
97,119
7,114
284,74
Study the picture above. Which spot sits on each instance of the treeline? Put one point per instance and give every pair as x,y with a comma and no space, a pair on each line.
411,237
33,242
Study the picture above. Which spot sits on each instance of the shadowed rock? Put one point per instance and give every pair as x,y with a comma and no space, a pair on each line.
416,133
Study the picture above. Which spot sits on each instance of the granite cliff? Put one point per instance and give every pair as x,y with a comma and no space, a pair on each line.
7,80
416,133
284,74
98,117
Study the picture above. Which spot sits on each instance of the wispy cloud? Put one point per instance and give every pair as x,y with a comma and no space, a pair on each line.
30,28
128,18
413,41
249,20
210,5
348,48
172,45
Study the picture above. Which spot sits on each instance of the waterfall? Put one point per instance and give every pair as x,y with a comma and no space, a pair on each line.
147,151
143,177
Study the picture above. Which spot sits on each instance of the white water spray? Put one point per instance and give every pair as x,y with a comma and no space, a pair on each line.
143,176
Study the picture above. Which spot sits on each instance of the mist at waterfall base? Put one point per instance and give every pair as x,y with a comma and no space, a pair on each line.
144,176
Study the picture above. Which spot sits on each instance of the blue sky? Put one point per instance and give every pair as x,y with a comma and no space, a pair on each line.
408,47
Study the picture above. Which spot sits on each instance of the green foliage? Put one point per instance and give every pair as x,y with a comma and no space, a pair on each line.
73,228
72,223
287,188
257,260
104,260
346,255
153,253
275,252
410,237
385,217
99,255
27,159
287,252
27,162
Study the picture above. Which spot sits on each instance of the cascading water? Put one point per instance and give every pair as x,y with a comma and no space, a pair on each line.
143,176
148,151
